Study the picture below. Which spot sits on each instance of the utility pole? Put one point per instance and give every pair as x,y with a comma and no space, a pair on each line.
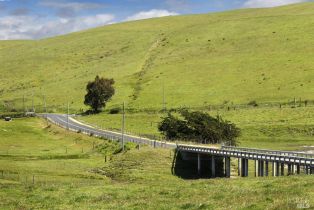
123,125
24,103
163,97
46,110
68,116
33,109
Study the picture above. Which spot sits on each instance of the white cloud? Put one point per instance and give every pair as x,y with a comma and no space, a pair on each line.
31,27
65,8
269,3
77,6
150,14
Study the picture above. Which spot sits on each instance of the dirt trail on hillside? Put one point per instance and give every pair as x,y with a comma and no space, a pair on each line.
147,64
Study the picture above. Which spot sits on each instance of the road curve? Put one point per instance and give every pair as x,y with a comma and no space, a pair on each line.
69,123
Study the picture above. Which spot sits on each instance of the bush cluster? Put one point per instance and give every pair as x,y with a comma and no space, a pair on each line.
198,126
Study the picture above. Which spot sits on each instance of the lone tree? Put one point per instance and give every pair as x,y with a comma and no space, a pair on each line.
99,92
198,126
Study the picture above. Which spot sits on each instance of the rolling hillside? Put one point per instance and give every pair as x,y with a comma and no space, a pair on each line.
231,57
69,174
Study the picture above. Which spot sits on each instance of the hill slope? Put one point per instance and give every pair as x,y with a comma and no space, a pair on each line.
235,57
66,177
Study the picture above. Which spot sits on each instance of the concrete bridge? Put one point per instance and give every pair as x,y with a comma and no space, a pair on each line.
266,162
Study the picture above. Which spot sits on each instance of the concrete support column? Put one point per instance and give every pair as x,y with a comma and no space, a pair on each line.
227,167
244,167
213,167
199,164
256,168
277,168
289,169
282,168
266,168
306,168
312,170
293,169
239,167
261,168
298,169
273,169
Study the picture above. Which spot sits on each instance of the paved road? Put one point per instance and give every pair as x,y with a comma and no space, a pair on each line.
69,123
63,121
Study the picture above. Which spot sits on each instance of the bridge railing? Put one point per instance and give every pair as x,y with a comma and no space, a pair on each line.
273,152
249,155
110,135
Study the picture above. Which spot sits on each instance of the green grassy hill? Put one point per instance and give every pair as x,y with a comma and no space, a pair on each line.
231,57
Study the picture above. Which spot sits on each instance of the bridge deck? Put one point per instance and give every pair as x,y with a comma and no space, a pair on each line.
274,152
253,155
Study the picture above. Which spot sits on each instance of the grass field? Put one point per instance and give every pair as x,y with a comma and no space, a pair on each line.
137,179
231,57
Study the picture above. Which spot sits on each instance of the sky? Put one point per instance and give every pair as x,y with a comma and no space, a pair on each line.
37,19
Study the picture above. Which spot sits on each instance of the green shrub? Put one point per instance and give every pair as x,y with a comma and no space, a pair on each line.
253,103
115,110
198,126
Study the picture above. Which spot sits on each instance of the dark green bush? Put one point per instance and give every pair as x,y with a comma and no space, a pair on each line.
198,126
115,110
253,103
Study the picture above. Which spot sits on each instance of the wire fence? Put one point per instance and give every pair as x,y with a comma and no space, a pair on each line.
18,105
39,179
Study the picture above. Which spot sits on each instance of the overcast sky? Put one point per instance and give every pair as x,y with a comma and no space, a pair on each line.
35,19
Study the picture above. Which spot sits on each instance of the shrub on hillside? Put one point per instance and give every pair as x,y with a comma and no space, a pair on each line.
198,126
253,103
115,110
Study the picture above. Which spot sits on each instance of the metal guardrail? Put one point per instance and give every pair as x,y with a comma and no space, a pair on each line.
111,135
249,155
275,152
